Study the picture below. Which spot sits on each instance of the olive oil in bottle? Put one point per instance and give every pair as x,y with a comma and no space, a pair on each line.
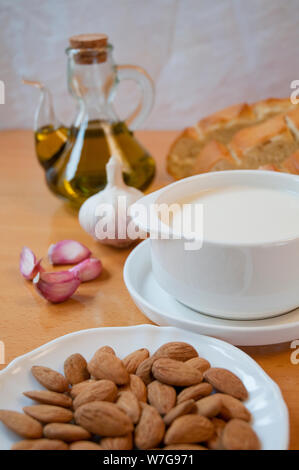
77,169
49,144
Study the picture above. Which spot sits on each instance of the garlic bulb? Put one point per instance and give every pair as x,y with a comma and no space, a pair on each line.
105,215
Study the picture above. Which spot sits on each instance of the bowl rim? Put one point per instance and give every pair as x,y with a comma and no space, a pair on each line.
164,229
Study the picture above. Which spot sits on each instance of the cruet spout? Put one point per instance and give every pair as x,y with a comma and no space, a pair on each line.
44,114
50,135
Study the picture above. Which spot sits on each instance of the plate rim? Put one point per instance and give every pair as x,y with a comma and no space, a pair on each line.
126,275
205,338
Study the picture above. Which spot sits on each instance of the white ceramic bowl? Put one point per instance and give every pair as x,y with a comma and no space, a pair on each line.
227,280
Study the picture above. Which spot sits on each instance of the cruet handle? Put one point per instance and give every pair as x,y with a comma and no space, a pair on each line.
146,85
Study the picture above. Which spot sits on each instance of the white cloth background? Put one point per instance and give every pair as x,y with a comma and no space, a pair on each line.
202,54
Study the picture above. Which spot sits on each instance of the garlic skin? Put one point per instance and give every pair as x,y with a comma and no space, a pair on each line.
29,265
88,270
67,252
115,189
57,286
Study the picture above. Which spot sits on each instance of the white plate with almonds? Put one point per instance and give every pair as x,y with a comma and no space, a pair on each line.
201,393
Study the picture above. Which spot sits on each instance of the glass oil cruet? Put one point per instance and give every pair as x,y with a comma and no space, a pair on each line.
74,158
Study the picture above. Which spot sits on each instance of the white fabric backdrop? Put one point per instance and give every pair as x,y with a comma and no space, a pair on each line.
202,54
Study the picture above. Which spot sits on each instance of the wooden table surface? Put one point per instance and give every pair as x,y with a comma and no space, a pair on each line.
30,215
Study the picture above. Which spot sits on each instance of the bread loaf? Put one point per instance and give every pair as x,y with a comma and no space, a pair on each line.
264,135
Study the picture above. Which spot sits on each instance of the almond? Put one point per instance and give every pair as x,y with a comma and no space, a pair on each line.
50,379
75,369
199,363
232,408
214,443
128,402
103,418
184,447
49,398
195,392
189,429
172,372
78,388
23,445
107,349
177,350
85,445
49,413
66,432
239,435
132,361
40,444
21,424
150,430
103,390
105,365
209,406
161,396
49,444
144,370
183,408
226,382
117,443
137,386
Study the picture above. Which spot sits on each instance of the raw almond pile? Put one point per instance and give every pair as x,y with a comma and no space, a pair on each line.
171,400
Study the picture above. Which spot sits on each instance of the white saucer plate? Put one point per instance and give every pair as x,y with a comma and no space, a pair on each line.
269,412
164,310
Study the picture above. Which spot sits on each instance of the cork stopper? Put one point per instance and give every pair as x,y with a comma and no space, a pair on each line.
89,41
92,48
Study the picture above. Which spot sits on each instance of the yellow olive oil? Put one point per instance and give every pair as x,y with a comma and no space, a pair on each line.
75,158
49,144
